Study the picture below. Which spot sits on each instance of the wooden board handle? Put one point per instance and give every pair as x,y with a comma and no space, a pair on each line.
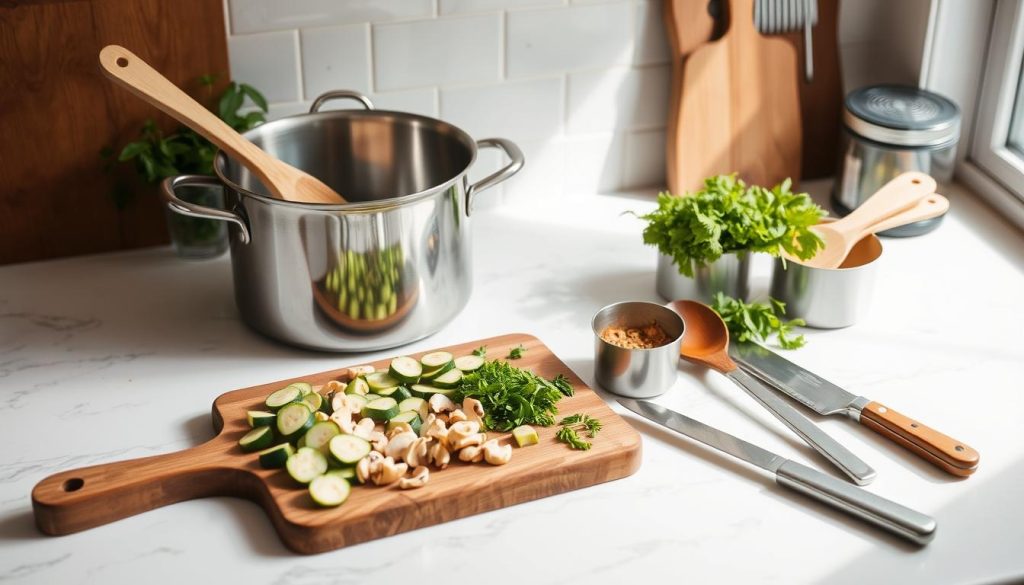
953,456
83,498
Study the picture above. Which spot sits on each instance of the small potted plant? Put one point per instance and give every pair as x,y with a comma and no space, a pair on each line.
156,156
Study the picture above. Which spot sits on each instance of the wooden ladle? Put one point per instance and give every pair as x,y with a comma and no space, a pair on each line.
706,341
283,180
898,195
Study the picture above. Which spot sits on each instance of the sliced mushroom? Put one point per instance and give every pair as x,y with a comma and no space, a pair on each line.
321,416
472,454
398,445
461,430
364,429
419,478
440,403
356,371
368,466
439,455
417,454
457,416
389,472
343,419
474,410
379,441
345,402
496,454
333,386
427,424
474,440
399,427
435,429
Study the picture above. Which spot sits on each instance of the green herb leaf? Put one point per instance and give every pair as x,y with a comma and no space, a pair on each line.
569,436
516,352
758,321
510,396
480,351
256,97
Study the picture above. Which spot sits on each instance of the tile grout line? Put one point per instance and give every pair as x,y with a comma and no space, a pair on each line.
371,57
298,65
503,47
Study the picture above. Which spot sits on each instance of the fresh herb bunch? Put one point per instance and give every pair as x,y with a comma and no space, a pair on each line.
512,397
157,156
728,216
758,321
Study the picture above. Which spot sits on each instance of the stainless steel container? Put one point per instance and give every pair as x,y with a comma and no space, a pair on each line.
829,298
636,373
391,266
730,274
888,130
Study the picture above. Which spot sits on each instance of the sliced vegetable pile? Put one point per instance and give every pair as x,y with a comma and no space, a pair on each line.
384,427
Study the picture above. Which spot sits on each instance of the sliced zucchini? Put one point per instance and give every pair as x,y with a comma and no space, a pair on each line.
348,449
329,490
410,418
386,391
306,464
305,387
406,369
425,392
357,386
449,379
415,404
293,420
320,434
372,397
525,435
378,381
257,439
381,410
284,396
301,442
469,363
343,472
435,359
401,393
315,401
432,373
258,418
276,456
321,416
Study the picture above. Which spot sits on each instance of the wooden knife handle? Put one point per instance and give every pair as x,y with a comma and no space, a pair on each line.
953,456
78,499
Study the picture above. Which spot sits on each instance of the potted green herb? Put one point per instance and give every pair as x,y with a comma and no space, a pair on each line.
157,156
705,238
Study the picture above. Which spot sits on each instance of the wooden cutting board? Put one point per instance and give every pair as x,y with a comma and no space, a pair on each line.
78,499
736,108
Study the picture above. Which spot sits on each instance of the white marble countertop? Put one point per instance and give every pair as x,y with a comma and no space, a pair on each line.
117,356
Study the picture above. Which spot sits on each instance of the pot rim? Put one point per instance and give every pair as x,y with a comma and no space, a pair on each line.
220,160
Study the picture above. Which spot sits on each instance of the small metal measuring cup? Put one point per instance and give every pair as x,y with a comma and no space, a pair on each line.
636,373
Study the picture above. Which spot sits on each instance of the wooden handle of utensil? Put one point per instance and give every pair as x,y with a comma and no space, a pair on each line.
894,197
931,206
137,76
83,498
951,455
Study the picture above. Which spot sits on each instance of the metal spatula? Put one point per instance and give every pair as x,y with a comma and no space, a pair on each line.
773,17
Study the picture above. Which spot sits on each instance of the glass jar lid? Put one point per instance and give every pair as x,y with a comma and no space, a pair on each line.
902,116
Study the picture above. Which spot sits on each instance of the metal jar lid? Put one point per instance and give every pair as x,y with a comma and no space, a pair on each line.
902,116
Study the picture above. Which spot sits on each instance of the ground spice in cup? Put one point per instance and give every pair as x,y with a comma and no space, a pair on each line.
645,336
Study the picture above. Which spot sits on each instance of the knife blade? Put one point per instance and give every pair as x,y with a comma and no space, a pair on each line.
896,518
826,398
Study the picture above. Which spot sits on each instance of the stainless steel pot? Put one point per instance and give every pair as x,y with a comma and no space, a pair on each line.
391,266
730,274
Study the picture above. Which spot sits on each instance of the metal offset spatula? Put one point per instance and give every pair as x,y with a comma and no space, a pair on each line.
774,17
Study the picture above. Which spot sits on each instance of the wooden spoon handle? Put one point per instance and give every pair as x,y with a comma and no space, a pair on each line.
894,197
951,455
83,498
931,206
137,76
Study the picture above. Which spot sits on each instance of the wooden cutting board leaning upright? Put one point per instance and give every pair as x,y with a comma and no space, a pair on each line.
735,106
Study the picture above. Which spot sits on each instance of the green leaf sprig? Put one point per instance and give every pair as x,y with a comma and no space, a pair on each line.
570,437
516,352
728,216
511,396
480,351
758,321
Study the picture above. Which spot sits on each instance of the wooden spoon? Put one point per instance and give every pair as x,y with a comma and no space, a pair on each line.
706,341
931,206
896,196
283,180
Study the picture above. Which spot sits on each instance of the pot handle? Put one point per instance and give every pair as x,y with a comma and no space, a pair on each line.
339,94
516,159
177,205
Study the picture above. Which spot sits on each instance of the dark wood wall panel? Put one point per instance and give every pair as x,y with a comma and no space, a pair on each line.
57,112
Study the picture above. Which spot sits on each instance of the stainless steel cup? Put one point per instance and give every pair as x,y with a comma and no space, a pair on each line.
636,373
829,298
730,274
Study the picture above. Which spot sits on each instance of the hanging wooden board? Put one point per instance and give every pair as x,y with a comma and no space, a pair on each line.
84,498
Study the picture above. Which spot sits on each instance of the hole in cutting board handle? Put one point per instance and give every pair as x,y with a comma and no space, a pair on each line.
73,485
914,181
122,62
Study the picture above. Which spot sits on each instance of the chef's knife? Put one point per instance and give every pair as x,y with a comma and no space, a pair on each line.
900,520
824,397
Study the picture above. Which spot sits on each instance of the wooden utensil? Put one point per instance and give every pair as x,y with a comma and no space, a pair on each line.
283,180
79,499
896,196
735,107
706,342
931,206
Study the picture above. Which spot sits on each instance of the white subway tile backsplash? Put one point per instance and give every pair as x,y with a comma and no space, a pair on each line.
543,176
651,39
457,6
269,62
576,37
593,163
418,101
247,16
336,57
514,110
644,159
460,49
607,99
